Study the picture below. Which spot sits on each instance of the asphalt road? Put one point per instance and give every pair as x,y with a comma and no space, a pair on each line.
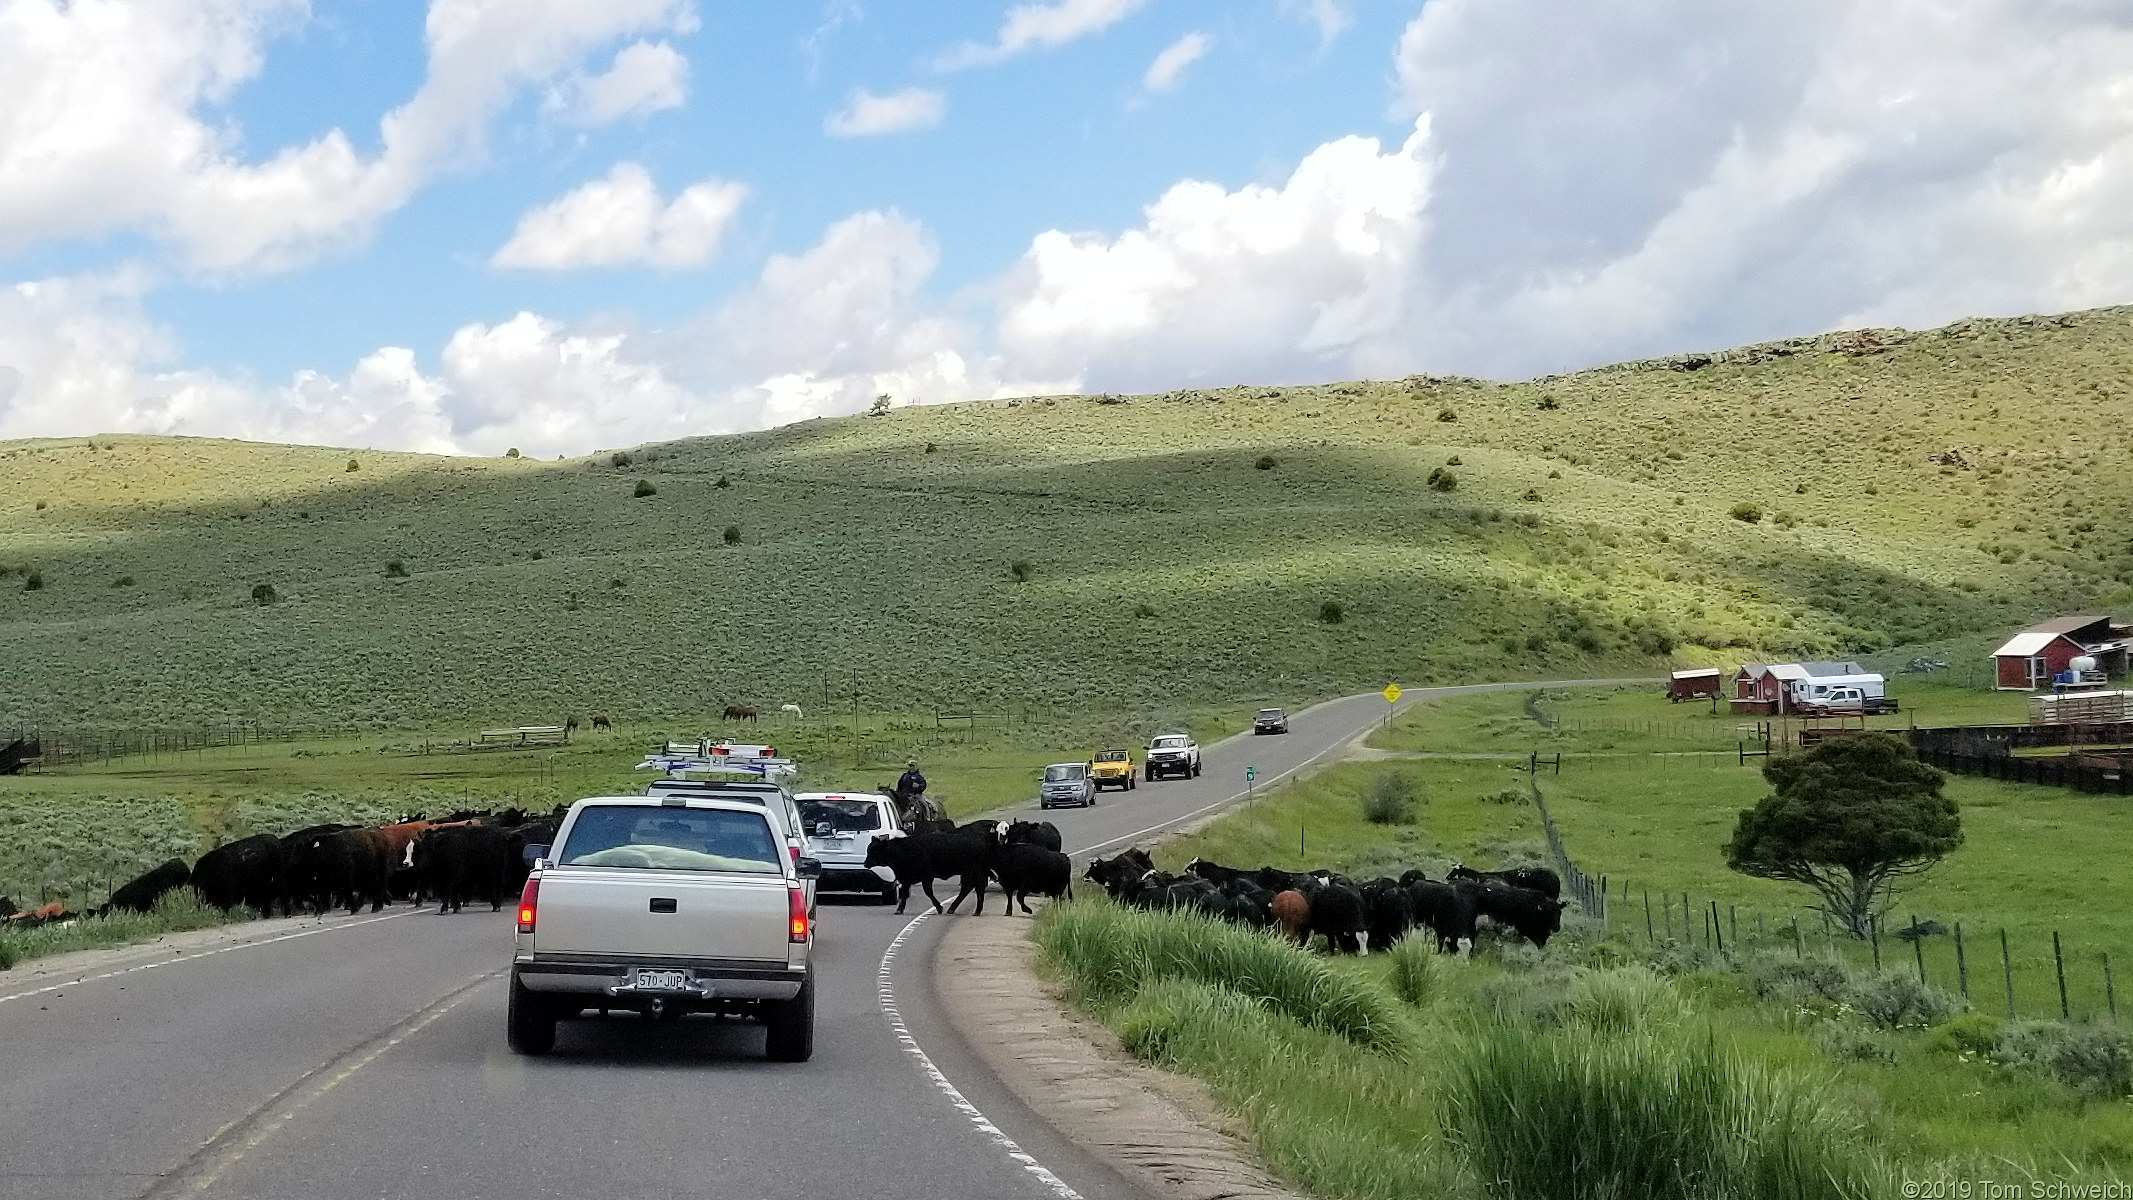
364,1057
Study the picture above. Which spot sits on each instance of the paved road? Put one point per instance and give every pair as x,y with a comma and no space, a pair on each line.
364,1057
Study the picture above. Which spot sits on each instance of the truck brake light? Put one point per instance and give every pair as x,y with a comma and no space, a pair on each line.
528,900
797,905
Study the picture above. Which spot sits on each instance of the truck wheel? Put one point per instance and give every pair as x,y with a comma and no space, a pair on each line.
792,1025
529,1021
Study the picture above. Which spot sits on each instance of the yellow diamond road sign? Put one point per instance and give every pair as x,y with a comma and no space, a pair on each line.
1391,693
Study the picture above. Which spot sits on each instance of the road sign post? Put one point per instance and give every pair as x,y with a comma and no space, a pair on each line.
1392,699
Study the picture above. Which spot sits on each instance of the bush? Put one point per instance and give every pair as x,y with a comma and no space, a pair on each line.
33,582
264,594
1509,795
1896,998
511,453
1441,480
1624,1000
353,465
1390,800
1849,1043
1453,461
1531,494
1020,570
1169,1015
722,482
1144,610
1264,462
1777,975
732,535
933,447
1110,953
1547,404
644,488
123,581
1415,968
40,506
2096,1059
395,569
619,458
1446,414
1971,1033
1550,1116
1332,613
1744,511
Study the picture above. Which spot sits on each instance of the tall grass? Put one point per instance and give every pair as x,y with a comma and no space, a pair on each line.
1550,1116
177,912
1110,952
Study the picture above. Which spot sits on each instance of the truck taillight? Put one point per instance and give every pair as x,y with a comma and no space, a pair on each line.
794,851
797,904
528,900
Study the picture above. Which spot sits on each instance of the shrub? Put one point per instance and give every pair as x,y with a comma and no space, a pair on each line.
1332,613
1110,953
2097,1059
1509,795
1555,473
353,465
1849,1043
1264,462
732,535
1446,414
395,569
33,582
1895,998
122,581
511,453
1532,494
1744,511
1777,975
1971,1033
619,458
1144,610
1784,520
1549,1116
1020,570
264,594
1441,480
1624,1000
1390,800
644,488
1414,975
1547,404
1169,1015
40,506
933,447
534,555
722,482
1453,461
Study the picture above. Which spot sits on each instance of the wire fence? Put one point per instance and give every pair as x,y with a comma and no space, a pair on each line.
75,747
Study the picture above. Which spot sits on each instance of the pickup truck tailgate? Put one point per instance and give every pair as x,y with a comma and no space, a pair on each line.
663,914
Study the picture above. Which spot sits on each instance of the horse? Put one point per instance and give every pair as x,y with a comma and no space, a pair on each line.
794,709
740,712
570,726
600,721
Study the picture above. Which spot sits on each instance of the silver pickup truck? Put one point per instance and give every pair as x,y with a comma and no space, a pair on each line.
666,905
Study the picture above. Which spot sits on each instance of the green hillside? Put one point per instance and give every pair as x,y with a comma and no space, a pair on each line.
1093,551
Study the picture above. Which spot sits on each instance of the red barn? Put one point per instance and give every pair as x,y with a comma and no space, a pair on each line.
2032,657
1761,687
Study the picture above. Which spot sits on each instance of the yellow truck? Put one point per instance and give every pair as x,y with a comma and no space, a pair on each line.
1113,768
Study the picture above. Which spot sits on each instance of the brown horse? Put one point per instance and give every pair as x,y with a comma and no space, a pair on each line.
600,721
570,726
740,712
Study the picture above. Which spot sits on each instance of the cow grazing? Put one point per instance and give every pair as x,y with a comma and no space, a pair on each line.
1534,915
458,863
1118,872
1023,868
1292,913
1336,913
141,893
247,872
1388,913
1446,910
1033,833
919,859
1536,879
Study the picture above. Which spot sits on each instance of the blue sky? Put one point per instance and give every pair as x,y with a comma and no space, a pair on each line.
468,224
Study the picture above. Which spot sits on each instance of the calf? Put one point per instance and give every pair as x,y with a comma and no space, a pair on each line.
1033,833
1537,879
141,894
1534,915
1022,868
919,859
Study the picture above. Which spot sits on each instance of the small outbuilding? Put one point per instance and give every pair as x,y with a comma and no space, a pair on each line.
1694,684
2045,652
1766,687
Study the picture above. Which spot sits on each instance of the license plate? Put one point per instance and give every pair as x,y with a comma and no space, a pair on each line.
662,981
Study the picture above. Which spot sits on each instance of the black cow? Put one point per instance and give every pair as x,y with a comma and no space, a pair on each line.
141,893
247,872
1024,867
458,863
1033,833
351,867
305,868
1388,913
1171,892
919,859
7,908
1115,874
1534,915
1536,879
1336,912
1446,909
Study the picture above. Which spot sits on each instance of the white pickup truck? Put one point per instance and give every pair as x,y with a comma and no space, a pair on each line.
666,905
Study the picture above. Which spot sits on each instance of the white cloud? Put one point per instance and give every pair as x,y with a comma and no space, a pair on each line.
1169,66
866,114
100,128
646,77
1040,27
621,220
1329,16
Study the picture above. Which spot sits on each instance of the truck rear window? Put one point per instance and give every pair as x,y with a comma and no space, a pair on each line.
671,839
841,816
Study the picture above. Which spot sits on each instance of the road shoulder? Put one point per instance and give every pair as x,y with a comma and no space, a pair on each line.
1162,1131
77,964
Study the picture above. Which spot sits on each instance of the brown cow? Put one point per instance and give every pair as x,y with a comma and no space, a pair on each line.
740,712
1293,913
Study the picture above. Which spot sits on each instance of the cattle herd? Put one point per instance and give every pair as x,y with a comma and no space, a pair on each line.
470,856
1023,857
1348,915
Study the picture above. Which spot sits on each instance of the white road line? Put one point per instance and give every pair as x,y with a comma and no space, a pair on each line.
186,958
885,990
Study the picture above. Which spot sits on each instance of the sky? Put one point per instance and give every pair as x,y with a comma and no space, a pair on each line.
564,226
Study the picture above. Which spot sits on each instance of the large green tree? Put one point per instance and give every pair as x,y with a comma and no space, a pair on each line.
1852,818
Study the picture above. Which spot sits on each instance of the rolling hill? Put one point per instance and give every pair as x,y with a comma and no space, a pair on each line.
1850,492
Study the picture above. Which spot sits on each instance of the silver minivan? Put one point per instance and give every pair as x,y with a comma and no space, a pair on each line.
1066,785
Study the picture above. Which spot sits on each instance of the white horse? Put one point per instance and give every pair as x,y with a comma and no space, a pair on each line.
794,709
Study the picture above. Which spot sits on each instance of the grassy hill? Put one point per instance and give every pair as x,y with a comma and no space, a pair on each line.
1093,551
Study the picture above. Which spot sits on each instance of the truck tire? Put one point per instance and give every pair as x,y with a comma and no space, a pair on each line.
529,1021
791,1023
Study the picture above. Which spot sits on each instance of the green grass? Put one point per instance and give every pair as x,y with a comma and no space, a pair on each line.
175,913
1160,566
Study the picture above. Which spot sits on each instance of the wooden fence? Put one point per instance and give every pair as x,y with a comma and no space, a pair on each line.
2106,767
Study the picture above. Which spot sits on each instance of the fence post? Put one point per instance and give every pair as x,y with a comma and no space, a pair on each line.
1666,914
1873,932
1733,922
1719,934
1799,949
1685,919
1918,948
1962,969
2059,965
2007,968
1648,916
